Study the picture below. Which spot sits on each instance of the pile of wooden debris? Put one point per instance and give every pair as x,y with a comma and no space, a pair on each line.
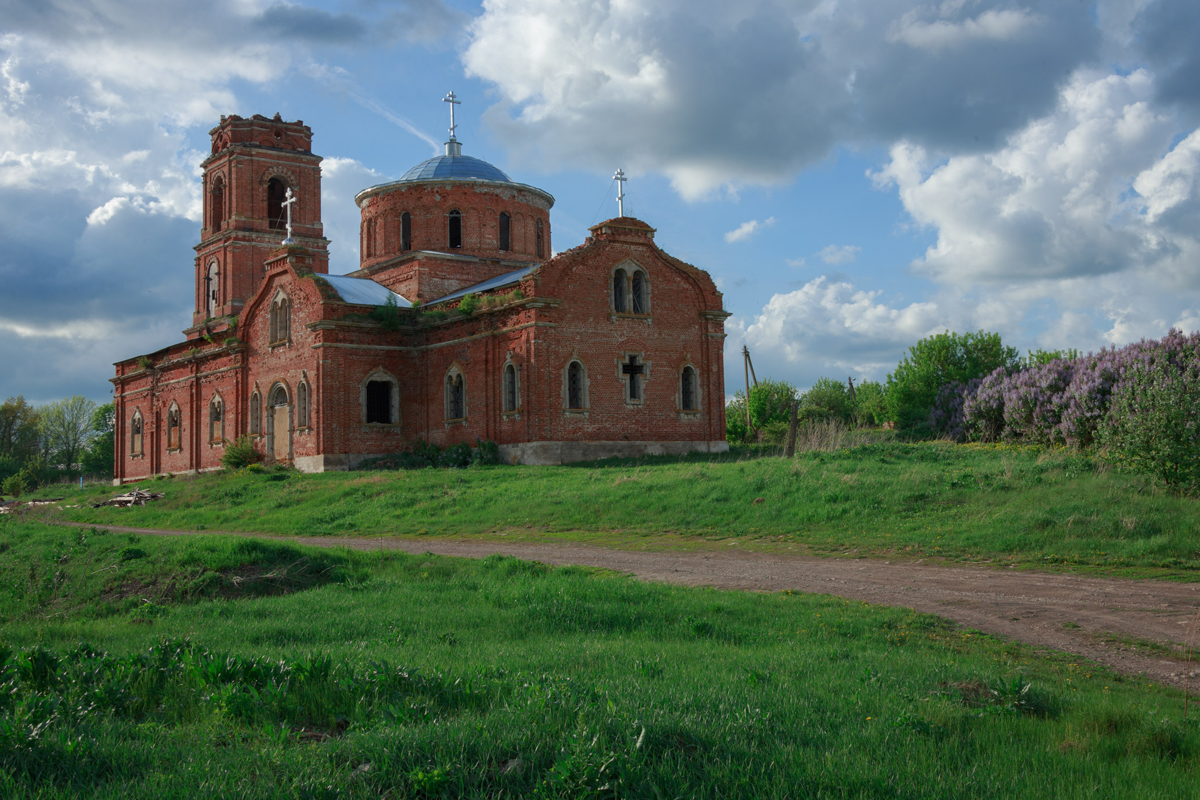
10,506
135,498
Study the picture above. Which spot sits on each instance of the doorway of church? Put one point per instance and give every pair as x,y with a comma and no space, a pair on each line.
279,421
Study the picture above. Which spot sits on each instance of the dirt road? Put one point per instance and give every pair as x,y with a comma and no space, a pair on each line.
1081,615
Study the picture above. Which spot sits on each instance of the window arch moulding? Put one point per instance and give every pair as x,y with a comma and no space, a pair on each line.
689,394
174,428
379,399
629,292
576,387
455,390
510,389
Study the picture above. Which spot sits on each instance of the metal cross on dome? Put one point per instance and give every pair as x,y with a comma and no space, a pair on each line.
453,101
620,179
288,202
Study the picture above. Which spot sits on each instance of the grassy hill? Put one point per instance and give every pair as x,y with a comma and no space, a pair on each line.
1019,505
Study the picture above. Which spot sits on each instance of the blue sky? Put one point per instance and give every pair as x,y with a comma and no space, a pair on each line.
855,174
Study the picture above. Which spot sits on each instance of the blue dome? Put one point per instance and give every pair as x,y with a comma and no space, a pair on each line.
460,167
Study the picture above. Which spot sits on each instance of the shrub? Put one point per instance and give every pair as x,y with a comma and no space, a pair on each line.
1153,424
831,397
468,304
241,452
456,455
736,430
487,452
870,404
14,485
936,362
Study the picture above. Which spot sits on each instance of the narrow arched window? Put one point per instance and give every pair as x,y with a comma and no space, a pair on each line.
212,290
216,421
276,194
505,228
511,398
638,292
456,405
455,239
539,239
687,389
255,414
575,387
405,231
281,324
302,405
217,209
135,434
620,279
173,437
379,402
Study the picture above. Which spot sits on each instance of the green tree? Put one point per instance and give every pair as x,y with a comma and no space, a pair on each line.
933,362
99,457
828,399
870,404
1038,358
67,427
20,434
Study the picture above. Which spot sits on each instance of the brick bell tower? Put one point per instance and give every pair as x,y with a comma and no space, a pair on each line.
253,163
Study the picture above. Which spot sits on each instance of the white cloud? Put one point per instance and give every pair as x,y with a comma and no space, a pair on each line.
797,262
1090,189
716,94
341,179
839,254
940,34
830,327
747,229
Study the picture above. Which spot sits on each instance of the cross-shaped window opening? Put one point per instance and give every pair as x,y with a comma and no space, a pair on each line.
633,372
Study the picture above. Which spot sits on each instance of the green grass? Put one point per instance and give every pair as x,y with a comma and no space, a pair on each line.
1019,505
422,676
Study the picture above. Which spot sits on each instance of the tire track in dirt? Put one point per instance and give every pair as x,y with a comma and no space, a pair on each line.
1065,612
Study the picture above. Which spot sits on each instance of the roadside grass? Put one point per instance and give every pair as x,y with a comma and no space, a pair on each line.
1011,504
425,676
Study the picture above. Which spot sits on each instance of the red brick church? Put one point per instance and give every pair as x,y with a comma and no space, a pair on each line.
461,323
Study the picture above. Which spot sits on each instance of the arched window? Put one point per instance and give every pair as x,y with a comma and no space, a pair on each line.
135,434
512,397
539,239
276,194
217,209
212,290
455,239
405,232
302,405
687,389
576,387
505,228
174,439
456,396
379,402
255,413
620,279
281,319
638,293
216,421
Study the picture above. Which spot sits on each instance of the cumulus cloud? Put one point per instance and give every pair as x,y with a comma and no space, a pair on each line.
99,186
747,229
839,254
797,262
1091,189
831,327
724,94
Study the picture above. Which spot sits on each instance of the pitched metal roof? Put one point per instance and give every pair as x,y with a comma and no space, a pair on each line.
506,279
363,291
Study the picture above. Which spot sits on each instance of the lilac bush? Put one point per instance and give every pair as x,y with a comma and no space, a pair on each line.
1141,402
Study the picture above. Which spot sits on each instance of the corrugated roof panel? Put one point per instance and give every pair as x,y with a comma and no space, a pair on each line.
491,283
363,291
